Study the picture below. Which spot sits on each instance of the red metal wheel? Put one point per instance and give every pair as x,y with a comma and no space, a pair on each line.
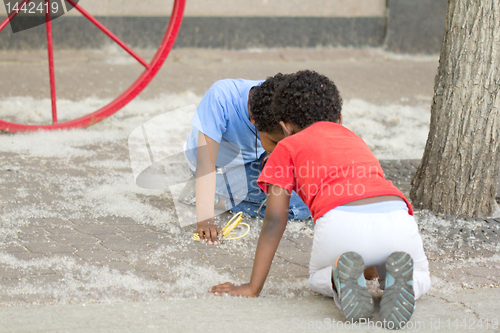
151,69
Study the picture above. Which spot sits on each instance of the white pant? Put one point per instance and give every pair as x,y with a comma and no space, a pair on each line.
373,236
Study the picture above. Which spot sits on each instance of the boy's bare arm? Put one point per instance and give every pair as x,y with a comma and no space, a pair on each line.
206,156
274,225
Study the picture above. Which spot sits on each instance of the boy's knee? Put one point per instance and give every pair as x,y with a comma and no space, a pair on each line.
320,285
298,213
421,282
312,284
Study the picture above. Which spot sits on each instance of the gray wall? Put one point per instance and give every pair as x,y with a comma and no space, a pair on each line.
405,26
238,8
415,26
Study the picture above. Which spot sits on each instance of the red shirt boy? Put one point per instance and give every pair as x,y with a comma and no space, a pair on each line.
328,166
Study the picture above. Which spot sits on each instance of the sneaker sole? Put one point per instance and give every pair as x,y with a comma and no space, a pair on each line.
398,300
355,300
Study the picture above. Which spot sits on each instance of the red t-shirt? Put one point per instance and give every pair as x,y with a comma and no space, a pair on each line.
328,166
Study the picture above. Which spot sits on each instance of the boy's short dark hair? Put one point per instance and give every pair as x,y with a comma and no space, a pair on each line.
305,98
260,100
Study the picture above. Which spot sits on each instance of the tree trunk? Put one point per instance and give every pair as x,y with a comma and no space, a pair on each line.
459,170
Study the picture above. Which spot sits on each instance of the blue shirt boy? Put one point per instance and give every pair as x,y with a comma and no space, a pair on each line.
223,116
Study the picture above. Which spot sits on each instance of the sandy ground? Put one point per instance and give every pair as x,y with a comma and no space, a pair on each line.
367,74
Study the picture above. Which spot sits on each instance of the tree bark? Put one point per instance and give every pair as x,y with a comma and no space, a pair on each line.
459,170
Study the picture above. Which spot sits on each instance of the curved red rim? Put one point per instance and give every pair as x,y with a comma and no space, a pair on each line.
140,83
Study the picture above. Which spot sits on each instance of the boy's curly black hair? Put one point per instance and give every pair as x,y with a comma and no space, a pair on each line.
259,102
305,98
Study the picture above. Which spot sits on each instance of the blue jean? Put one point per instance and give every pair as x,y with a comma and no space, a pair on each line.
244,195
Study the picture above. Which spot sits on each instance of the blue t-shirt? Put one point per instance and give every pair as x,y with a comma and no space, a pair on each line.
222,115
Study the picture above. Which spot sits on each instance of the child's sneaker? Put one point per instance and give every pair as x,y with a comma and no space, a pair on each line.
356,301
188,194
398,300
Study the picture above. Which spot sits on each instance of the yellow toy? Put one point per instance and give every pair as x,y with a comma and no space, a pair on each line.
228,228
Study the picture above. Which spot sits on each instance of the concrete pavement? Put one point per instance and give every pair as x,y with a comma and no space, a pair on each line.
461,312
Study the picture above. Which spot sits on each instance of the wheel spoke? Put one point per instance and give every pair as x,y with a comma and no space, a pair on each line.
12,15
50,50
109,33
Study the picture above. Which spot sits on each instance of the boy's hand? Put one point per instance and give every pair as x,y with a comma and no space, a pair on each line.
264,160
209,231
231,289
